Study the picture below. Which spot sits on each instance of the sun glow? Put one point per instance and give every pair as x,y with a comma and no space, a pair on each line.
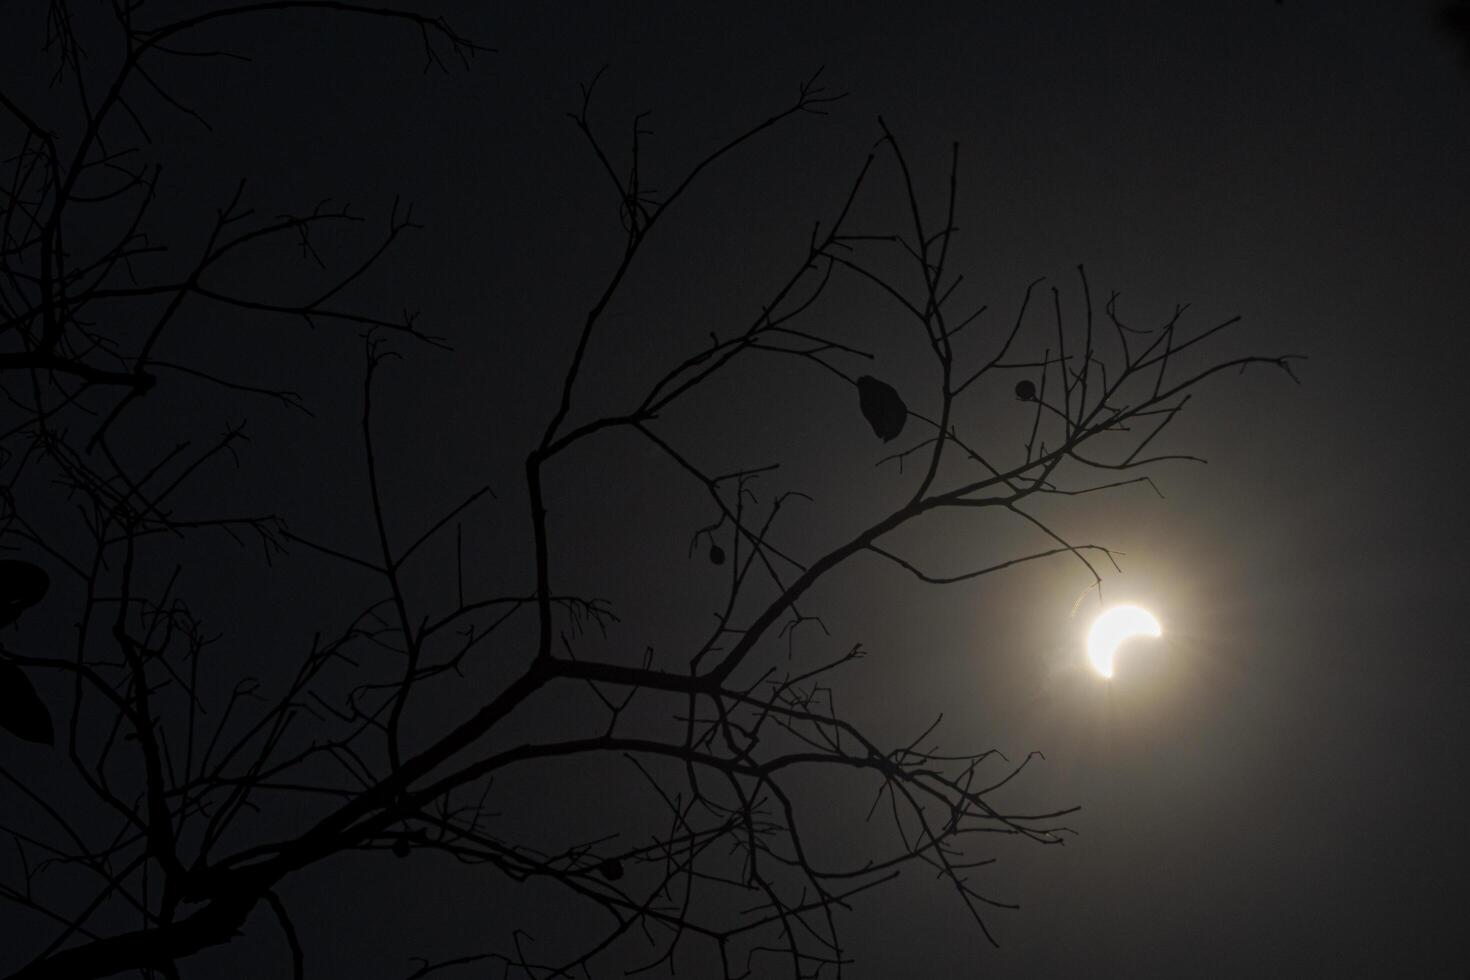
1112,628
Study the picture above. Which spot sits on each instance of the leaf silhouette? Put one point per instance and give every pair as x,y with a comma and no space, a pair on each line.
882,407
716,554
21,711
21,586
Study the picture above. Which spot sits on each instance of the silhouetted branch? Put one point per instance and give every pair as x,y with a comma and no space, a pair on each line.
391,730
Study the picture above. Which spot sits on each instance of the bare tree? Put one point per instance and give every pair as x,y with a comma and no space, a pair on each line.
145,854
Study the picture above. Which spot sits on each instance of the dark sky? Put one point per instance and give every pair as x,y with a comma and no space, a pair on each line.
1277,787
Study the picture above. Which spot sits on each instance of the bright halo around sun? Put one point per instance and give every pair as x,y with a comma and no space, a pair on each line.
1112,628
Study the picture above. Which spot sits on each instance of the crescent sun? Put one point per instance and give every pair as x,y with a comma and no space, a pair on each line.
1112,628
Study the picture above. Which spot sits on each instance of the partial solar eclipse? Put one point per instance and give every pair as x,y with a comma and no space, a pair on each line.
1111,629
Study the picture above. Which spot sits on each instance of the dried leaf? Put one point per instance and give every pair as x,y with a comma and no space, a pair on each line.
882,407
22,712
21,586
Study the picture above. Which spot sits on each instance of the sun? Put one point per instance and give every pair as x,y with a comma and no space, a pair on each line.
1112,628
